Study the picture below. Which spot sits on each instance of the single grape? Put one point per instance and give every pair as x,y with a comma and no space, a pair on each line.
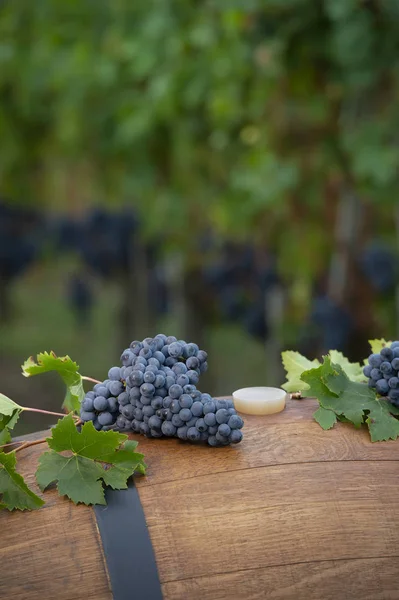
153,362
175,349
367,370
136,346
170,339
127,358
179,368
192,422
155,423
387,353
160,380
147,389
144,429
87,404
140,360
185,414
182,380
146,352
177,421
232,411
224,441
375,374
386,367
222,416
213,441
224,430
160,357
121,422
175,407
97,425
162,392
102,390
196,395
136,425
134,394
235,422
188,389
222,404
175,391
149,377
168,428
167,401
138,414
203,367
123,398
212,429
116,388
170,380
114,373
182,433
193,434
395,352
113,404
393,383
91,395
100,403
197,408
87,415
202,356
235,436
209,407
206,398
186,401
395,364
145,400
105,418
201,425
375,360
128,411
157,402
192,363
148,411
190,350
193,377
210,419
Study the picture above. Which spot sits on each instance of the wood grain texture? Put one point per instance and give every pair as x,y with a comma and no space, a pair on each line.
291,513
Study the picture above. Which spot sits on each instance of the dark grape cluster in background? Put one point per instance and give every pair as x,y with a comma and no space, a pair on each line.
155,393
383,372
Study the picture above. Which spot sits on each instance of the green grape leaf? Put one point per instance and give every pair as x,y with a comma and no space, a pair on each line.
9,414
14,492
95,458
67,369
295,364
377,345
353,370
5,436
354,401
325,418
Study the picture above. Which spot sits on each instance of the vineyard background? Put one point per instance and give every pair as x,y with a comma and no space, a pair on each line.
227,172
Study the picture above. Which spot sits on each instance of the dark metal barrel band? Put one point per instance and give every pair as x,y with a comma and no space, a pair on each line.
130,557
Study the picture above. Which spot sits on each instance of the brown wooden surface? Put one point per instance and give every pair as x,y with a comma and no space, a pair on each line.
291,513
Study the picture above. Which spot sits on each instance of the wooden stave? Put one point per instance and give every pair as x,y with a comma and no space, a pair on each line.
191,564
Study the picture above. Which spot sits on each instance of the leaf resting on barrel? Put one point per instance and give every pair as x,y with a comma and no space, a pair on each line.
353,401
14,493
94,458
67,369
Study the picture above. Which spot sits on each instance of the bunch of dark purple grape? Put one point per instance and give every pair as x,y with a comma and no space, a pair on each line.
383,372
157,395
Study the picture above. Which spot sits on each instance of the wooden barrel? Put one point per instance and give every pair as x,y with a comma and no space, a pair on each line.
293,513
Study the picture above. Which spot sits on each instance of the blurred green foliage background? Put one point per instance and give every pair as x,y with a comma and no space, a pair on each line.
266,124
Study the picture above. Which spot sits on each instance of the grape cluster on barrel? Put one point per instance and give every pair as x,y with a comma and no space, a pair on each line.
155,393
383,372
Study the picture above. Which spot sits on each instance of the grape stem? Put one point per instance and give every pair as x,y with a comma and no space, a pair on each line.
90,379
44,412
24,444
27,444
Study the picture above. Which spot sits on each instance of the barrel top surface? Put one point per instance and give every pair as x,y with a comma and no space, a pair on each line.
293,512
